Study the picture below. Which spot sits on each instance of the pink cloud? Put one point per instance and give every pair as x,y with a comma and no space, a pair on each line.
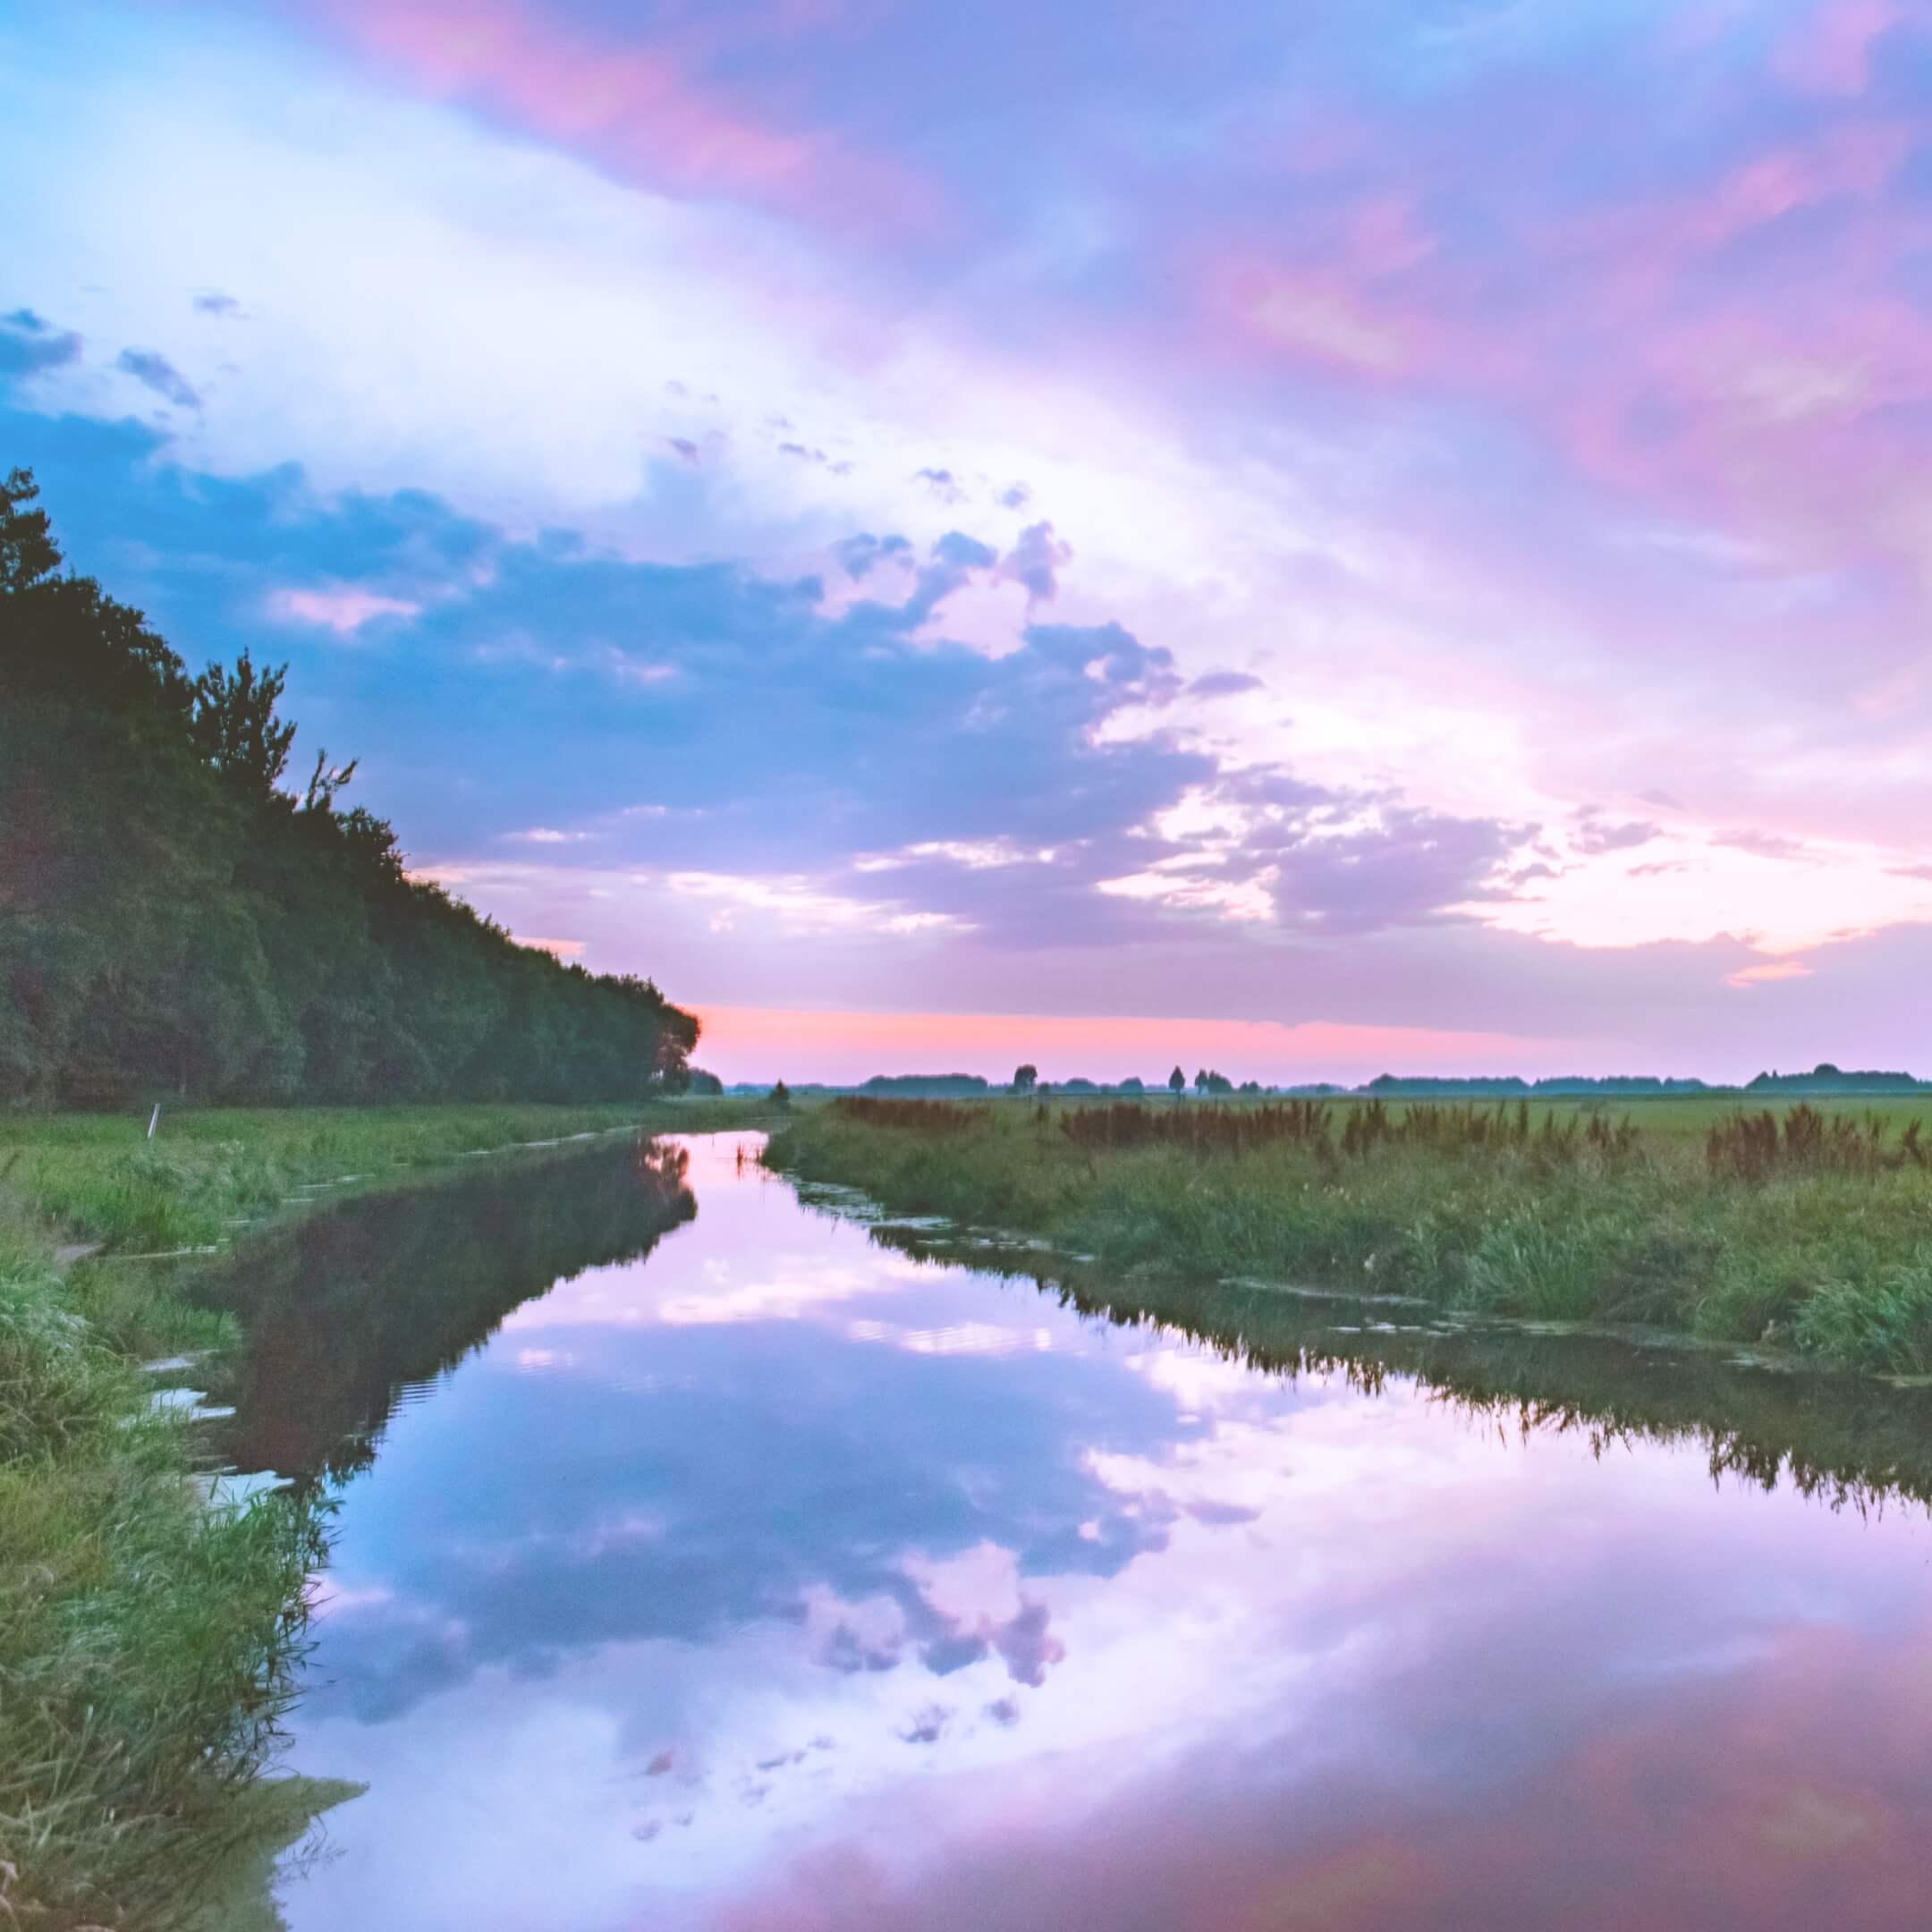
635,109
1832,52
343,612
1322,318
1854,163
1769,972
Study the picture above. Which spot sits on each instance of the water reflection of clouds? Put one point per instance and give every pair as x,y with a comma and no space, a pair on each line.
853,1624
957,1338
1690,1811
769,1458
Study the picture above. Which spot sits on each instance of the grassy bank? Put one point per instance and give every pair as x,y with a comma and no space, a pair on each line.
98,1178
1811,1230
147,1641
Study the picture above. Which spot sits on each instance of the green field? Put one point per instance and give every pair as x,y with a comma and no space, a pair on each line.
1808,1230
148,1640
1670,1116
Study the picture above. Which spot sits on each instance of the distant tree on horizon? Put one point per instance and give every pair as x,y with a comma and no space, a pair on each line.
1026,1076
1177,1083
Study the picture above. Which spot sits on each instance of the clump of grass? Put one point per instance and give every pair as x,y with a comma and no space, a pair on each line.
1538,1262
147,1642
1885,1324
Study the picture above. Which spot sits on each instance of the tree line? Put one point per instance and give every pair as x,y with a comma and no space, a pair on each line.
175,919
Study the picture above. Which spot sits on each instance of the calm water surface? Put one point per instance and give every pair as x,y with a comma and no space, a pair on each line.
730,1570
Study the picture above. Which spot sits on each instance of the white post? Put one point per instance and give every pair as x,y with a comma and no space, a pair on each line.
153,1120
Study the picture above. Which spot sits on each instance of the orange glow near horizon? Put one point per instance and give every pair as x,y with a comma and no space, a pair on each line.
760,1043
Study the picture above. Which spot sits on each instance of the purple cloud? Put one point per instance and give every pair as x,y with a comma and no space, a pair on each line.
1761,845
1594,835
1034,561
1223,685
28,344
154,371
858,554
942,484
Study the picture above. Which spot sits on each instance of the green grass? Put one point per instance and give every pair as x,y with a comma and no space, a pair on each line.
147,1641
1832,1261
98,1177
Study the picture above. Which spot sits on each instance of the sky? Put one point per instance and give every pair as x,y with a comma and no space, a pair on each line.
1383,535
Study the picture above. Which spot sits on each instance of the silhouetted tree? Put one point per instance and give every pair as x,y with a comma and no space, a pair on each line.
1177,1083
169,918
235,728
27,551
1025,1077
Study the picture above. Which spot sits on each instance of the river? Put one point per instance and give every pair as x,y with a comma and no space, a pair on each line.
700,1562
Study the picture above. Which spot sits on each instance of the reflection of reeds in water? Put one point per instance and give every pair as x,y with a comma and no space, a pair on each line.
1849,1444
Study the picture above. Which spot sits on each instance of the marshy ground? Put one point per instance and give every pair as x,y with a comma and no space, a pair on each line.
1807,1229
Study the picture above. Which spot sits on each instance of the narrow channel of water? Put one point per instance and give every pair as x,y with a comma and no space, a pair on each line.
701,1563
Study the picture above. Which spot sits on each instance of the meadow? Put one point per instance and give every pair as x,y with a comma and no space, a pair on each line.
148,1638
1807,1229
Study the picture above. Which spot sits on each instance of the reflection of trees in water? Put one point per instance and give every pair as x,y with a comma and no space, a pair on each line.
344,1309
1844,1439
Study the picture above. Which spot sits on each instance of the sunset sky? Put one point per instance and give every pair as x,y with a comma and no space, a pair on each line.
1394,534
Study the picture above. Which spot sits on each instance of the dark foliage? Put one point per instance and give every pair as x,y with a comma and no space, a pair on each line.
171,920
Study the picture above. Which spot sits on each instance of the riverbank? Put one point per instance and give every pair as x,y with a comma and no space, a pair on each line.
1809,1232
148,1640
